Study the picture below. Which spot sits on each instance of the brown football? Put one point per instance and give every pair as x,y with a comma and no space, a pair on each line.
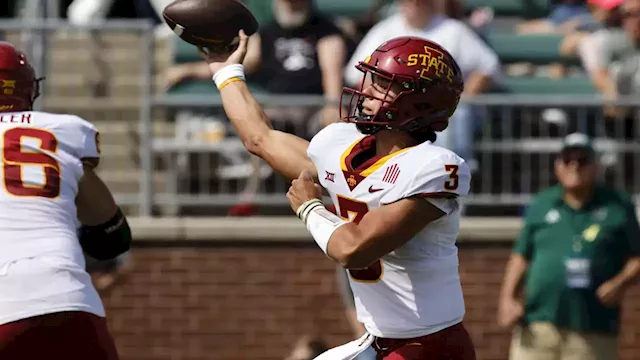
213,24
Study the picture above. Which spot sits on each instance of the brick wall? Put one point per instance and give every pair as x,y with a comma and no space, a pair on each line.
254,302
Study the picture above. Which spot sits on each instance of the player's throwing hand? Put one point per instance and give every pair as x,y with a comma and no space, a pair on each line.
219,59
302,190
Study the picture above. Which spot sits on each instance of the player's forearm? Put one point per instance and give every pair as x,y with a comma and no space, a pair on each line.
602,81
332,57
348,249
357,244
339,239
477,83
246,115
629,273
516,268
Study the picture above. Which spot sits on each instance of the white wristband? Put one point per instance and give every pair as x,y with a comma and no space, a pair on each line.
306,207
228,74
321,223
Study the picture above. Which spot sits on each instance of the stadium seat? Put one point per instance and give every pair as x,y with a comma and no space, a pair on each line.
264,13
343,8
528,9
191,88
575,85
183,52
536,49
261,9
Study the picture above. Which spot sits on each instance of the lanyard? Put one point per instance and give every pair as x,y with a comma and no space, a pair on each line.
577,228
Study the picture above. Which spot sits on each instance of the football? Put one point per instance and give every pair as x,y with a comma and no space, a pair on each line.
212,24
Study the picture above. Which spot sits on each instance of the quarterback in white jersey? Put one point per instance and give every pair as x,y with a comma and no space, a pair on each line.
396,194
396,295
48,305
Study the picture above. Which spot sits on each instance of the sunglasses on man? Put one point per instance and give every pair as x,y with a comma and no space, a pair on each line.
581,158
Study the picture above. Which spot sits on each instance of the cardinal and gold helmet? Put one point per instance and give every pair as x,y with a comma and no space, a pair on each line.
421,83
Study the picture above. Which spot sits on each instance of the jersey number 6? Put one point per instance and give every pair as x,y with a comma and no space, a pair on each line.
352,209
14,157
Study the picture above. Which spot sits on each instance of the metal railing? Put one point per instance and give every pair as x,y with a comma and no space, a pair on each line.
515,147
518,143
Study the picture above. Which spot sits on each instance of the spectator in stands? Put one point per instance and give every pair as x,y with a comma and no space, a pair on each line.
580,251
356,27
299,52
588,41
619,72
478,20
479,64
565,17
82,12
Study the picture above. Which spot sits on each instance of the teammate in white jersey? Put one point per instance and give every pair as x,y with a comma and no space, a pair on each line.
395,192
48,305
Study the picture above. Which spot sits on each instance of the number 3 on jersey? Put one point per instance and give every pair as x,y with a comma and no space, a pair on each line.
453,182
15,157
353,210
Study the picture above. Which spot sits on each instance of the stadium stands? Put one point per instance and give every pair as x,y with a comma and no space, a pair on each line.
110,95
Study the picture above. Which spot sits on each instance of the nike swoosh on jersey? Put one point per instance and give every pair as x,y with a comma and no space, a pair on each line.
372,190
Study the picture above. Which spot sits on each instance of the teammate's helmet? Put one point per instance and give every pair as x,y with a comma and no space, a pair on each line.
19,87
429,80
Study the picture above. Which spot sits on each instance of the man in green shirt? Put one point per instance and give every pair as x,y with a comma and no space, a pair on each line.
577,253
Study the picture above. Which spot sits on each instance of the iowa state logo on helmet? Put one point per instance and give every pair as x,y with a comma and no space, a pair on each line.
433,64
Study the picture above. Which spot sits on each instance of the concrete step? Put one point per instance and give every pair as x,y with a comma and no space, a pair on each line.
118,157
75,52
117,132
127,181
160,128
122,61
93,109
73,85
73,40
109,41
102,113
120,150
53,102
82,37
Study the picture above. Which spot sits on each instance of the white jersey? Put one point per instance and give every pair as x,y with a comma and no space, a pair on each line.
42,267
414,290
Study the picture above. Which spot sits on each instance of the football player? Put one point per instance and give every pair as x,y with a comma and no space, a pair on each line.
396,193
48,305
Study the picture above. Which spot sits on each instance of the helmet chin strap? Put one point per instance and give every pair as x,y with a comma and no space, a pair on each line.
363,118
